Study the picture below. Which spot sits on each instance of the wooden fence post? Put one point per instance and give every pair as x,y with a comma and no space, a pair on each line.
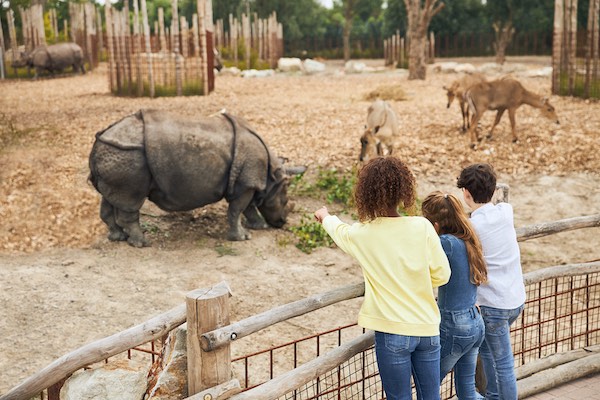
557,45
207,309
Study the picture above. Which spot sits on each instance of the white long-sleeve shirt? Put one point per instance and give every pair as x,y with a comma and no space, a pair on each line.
494,225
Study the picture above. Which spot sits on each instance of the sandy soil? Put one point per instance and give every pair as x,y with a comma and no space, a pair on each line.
62,284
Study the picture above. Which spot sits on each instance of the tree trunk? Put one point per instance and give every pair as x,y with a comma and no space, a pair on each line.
418,24
504,33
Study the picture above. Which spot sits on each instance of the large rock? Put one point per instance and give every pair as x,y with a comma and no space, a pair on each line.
119,379
168,378
254,73
354,67
290,64
313,67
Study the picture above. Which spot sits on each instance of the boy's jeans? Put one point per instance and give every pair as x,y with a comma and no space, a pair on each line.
398,356
496,353
461,334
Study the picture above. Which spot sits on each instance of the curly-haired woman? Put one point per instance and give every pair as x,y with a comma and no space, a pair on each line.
402,260
462,329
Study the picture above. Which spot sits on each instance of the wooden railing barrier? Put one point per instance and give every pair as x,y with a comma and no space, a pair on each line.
223,333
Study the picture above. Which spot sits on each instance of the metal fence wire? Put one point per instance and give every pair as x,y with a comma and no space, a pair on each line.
560,314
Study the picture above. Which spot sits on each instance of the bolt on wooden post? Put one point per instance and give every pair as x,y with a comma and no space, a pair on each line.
207,310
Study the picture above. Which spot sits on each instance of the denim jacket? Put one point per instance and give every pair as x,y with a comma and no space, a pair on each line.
459,293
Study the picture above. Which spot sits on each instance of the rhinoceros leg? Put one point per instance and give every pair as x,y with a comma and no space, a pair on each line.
108,215
130,222
253,218
234,216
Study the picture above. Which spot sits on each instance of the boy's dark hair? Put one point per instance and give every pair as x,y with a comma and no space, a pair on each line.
479,180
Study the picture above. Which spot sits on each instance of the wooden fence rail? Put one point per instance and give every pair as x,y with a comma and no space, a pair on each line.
97,351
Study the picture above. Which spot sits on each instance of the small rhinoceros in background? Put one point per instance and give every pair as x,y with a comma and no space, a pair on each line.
52,58
181,165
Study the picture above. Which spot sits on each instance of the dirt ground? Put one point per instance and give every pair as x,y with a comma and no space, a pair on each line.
63,284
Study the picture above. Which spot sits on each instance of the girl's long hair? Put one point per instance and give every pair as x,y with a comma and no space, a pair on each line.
447,211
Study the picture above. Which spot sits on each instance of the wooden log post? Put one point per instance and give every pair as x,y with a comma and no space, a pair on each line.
203,45
207,309
176,51
1,51
110,43
557,45
148,48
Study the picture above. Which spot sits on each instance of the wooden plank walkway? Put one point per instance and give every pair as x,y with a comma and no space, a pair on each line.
587,388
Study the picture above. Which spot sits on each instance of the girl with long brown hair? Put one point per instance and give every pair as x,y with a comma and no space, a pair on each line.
461,328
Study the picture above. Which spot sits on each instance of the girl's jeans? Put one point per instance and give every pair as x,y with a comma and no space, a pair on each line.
497,355
400,356
461,334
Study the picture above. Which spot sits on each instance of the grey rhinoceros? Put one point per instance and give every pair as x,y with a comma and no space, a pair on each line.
183,164
52,58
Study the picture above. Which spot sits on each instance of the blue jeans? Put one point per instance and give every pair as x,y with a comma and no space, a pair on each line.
497,355
461,334
399,357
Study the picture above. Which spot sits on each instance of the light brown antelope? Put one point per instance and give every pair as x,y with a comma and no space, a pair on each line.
382,126
457,90
501,95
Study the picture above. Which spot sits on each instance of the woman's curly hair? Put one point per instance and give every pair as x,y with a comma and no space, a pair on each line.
384,184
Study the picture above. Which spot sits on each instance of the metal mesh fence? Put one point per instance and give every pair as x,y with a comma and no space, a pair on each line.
561,314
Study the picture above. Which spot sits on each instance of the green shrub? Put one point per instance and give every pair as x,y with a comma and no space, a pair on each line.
310,235
338,186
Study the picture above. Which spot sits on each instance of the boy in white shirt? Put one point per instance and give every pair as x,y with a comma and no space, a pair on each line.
502,298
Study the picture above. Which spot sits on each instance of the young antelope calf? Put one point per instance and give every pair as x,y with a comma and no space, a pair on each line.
503,94
457,90
382,126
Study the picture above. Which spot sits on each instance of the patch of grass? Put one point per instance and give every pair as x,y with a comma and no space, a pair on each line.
225,249
338,186
310,235
150,228
333,185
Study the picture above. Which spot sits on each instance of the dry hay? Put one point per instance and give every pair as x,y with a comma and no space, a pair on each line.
387,92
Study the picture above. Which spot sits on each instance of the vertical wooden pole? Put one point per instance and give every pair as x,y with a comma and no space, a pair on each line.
557,45
1,51
596,48
89,10
203,45
246,34
210,46
589,45
401,58
137,49
100,34
572,45
196,42
176,54
207,309
185,46
109,40
148,47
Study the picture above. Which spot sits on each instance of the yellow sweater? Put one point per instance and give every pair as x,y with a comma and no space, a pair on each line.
402,261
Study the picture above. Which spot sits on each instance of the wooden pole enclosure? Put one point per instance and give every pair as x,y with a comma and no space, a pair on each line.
207,309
